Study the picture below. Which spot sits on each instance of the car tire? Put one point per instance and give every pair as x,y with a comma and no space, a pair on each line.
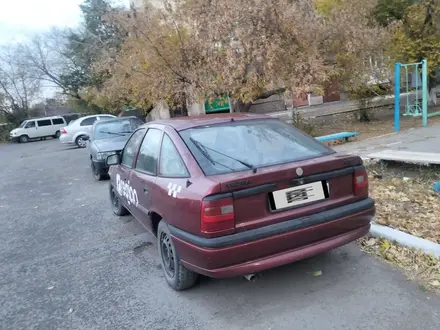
57,135
80,142
96,174
24,139
177,276
117,207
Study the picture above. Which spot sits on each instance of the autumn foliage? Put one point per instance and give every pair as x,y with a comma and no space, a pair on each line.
189,50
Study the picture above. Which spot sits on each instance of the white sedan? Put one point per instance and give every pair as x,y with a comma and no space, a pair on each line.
77,129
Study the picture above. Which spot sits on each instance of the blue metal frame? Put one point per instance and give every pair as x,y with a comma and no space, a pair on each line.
416,109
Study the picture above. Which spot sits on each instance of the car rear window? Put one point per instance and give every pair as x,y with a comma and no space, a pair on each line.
241,145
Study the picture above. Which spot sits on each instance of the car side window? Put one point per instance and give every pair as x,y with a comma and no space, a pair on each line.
58,121
30,124
171,164
106,117
45,122
88,121
132,147
149,152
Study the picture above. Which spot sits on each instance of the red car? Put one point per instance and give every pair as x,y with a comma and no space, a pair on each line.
235,194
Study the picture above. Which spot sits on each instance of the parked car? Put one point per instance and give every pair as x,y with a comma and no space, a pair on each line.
38,128
108,137
131,113
77,129
235,194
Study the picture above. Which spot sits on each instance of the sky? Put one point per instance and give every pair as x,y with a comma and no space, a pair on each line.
19,19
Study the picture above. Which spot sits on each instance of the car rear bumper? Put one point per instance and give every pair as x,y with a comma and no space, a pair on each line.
66,139
275,245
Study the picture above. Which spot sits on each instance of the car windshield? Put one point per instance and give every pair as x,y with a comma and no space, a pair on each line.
250,144
23,124
71,122
113,128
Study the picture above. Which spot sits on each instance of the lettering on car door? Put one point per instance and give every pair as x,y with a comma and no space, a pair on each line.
129,195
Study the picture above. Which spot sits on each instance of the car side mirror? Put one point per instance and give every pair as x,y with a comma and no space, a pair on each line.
113,160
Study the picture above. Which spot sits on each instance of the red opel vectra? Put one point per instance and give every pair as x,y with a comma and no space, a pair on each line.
235,194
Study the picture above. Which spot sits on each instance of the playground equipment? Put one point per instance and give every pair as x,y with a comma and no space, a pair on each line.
420,90
417,108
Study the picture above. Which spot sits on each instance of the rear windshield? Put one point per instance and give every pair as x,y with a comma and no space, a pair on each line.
242,145
113,128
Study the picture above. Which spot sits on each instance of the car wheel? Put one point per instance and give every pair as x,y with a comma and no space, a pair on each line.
24,138
80,142
57,135
96,174
117,208
177,276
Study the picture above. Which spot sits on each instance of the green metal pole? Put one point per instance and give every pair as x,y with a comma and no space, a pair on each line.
425,92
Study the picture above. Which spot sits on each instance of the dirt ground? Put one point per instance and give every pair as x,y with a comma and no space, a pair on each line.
381,123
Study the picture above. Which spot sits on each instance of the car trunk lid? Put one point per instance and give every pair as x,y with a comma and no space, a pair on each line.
283,192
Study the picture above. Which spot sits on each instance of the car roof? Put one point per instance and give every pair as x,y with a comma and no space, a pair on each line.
40,118
117,119
98,114
182,123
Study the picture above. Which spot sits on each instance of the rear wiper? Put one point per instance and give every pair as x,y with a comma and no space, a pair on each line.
202,149
252,167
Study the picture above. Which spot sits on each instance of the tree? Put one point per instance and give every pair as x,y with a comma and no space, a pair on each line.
389,11
248,49
416,34
18,87
63,58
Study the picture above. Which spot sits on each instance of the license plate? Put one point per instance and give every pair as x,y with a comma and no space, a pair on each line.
294,196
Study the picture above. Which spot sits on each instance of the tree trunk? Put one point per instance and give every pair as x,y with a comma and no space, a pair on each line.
432,93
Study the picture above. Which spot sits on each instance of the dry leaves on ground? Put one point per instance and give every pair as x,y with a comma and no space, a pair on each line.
418,266
407,205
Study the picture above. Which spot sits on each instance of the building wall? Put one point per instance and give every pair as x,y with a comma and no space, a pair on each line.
271,104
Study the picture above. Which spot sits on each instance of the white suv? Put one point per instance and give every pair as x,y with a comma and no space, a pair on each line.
77,129
38,128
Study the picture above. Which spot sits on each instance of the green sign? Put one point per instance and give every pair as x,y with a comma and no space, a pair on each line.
217,105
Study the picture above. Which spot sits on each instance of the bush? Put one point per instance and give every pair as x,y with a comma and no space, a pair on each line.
4,132
362,94
299,122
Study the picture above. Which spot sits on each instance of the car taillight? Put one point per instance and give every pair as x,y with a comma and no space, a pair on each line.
217,216
360,182
63,131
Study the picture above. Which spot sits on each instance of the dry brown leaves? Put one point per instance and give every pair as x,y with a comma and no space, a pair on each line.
407,204
418,266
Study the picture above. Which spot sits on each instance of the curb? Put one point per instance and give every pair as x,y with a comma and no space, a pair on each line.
405,239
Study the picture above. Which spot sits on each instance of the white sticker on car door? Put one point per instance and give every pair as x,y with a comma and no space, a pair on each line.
173,189
126,190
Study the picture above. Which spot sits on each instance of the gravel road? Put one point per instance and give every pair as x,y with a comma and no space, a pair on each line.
66,262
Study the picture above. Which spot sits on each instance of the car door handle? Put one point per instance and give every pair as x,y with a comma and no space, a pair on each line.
145,190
